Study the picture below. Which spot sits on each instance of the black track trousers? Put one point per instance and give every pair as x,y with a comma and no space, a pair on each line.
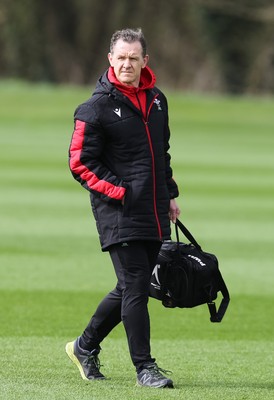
133,263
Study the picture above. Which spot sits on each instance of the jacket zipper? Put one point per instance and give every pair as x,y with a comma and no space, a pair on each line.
153,168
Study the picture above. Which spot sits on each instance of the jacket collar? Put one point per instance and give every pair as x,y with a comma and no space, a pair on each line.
147,81
106,83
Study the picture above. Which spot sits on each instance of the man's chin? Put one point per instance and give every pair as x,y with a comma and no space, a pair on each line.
127,82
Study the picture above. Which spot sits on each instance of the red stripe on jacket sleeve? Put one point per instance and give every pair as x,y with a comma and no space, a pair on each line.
93,182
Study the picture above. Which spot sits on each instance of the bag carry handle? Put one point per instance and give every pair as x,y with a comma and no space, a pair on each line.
187,234
215,315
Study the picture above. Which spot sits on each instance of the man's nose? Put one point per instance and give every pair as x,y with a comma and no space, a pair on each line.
127,63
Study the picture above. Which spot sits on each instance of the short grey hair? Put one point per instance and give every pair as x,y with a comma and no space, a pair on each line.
129,35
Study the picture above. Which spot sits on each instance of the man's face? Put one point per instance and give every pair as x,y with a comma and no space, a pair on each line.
127,60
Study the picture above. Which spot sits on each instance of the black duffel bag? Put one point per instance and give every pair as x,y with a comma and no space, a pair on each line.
185,276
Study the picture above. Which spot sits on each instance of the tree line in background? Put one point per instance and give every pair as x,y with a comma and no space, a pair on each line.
203,45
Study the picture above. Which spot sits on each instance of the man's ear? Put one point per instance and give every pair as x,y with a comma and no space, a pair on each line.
146,58
110,58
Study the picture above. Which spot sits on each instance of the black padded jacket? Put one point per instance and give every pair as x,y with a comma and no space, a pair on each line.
117,153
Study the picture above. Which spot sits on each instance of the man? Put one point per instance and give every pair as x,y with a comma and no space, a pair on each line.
119,153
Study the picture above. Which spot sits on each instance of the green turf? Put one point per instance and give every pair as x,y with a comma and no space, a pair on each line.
223,160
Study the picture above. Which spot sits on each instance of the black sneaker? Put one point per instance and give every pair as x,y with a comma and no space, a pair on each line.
87,361
151,376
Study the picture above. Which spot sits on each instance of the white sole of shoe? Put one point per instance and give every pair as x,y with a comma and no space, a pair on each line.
70,353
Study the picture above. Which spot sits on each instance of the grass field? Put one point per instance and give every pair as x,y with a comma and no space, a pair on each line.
52,272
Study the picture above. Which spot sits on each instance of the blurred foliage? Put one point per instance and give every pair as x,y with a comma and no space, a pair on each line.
204,45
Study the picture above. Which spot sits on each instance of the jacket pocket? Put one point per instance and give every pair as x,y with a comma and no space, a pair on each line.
127,201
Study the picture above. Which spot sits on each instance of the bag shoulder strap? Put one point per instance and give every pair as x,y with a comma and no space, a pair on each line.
217,315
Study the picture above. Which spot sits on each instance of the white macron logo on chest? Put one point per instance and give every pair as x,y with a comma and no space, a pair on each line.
117,111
